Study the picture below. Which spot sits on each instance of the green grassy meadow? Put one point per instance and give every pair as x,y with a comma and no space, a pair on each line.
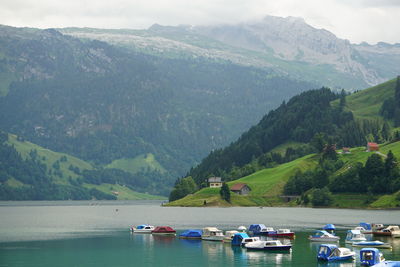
137,164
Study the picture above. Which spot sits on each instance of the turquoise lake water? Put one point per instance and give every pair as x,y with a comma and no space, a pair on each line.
97,234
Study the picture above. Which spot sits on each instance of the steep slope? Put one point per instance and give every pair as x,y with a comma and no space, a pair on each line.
267,185
103,103
31,172
316,119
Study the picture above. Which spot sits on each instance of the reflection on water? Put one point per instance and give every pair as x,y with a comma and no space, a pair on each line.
263,257
96,235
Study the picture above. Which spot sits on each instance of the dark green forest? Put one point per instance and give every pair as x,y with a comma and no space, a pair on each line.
100,102
309,118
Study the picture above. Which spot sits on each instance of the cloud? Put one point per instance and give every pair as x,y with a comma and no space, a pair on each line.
356,20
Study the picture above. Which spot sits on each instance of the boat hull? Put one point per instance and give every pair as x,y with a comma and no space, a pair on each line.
371,245
139,231
213,238
271,248
289,235
314,239
164,233
341,258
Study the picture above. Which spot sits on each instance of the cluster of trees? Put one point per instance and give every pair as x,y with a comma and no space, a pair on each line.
225,192
307,118
391,107
377,176
37,184
38,179
182,188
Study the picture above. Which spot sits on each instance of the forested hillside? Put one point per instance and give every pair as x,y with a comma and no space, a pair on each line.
316,121
106,104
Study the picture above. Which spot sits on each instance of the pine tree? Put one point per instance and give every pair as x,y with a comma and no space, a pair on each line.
225,192
397,103
342,99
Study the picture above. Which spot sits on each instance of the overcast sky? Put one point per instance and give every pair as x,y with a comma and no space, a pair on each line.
355,20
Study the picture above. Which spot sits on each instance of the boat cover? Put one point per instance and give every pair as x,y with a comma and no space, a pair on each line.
329,227
256,228
366,226
163,229
192,233
237,238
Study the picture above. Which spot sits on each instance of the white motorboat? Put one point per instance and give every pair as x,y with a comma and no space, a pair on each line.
323,236
354,236
143,229
271,245
248,240
212,234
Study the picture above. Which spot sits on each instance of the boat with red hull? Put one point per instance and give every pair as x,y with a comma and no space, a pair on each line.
282,233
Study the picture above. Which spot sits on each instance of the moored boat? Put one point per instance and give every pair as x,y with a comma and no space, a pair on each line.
229,236
371,256
372,244
143,229
354,236
191,234
258,229
238,238
163,230
323,236
365,228
392,230
282,233
242,229
330,228
271,245
212,234
248,240
331,252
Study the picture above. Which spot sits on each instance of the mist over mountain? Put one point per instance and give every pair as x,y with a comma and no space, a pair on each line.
288,45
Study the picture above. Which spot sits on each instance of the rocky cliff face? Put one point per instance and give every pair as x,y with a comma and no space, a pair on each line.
288,45
293,39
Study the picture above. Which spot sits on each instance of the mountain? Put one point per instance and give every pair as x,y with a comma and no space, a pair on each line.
288,45
117,108
310,127
31,172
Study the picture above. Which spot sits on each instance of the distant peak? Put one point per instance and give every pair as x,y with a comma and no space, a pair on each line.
288,19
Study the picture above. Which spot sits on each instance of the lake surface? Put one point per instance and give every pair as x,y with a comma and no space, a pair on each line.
97,233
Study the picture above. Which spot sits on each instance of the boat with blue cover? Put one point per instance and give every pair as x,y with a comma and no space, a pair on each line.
238,238
323,236
330,228
354,236
191,234
258,229
331,252
366,228
370,256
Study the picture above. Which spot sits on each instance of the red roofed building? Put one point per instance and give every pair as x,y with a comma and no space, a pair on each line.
372,147
241,189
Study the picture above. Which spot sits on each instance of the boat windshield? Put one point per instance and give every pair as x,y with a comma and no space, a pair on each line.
323,250
367,255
